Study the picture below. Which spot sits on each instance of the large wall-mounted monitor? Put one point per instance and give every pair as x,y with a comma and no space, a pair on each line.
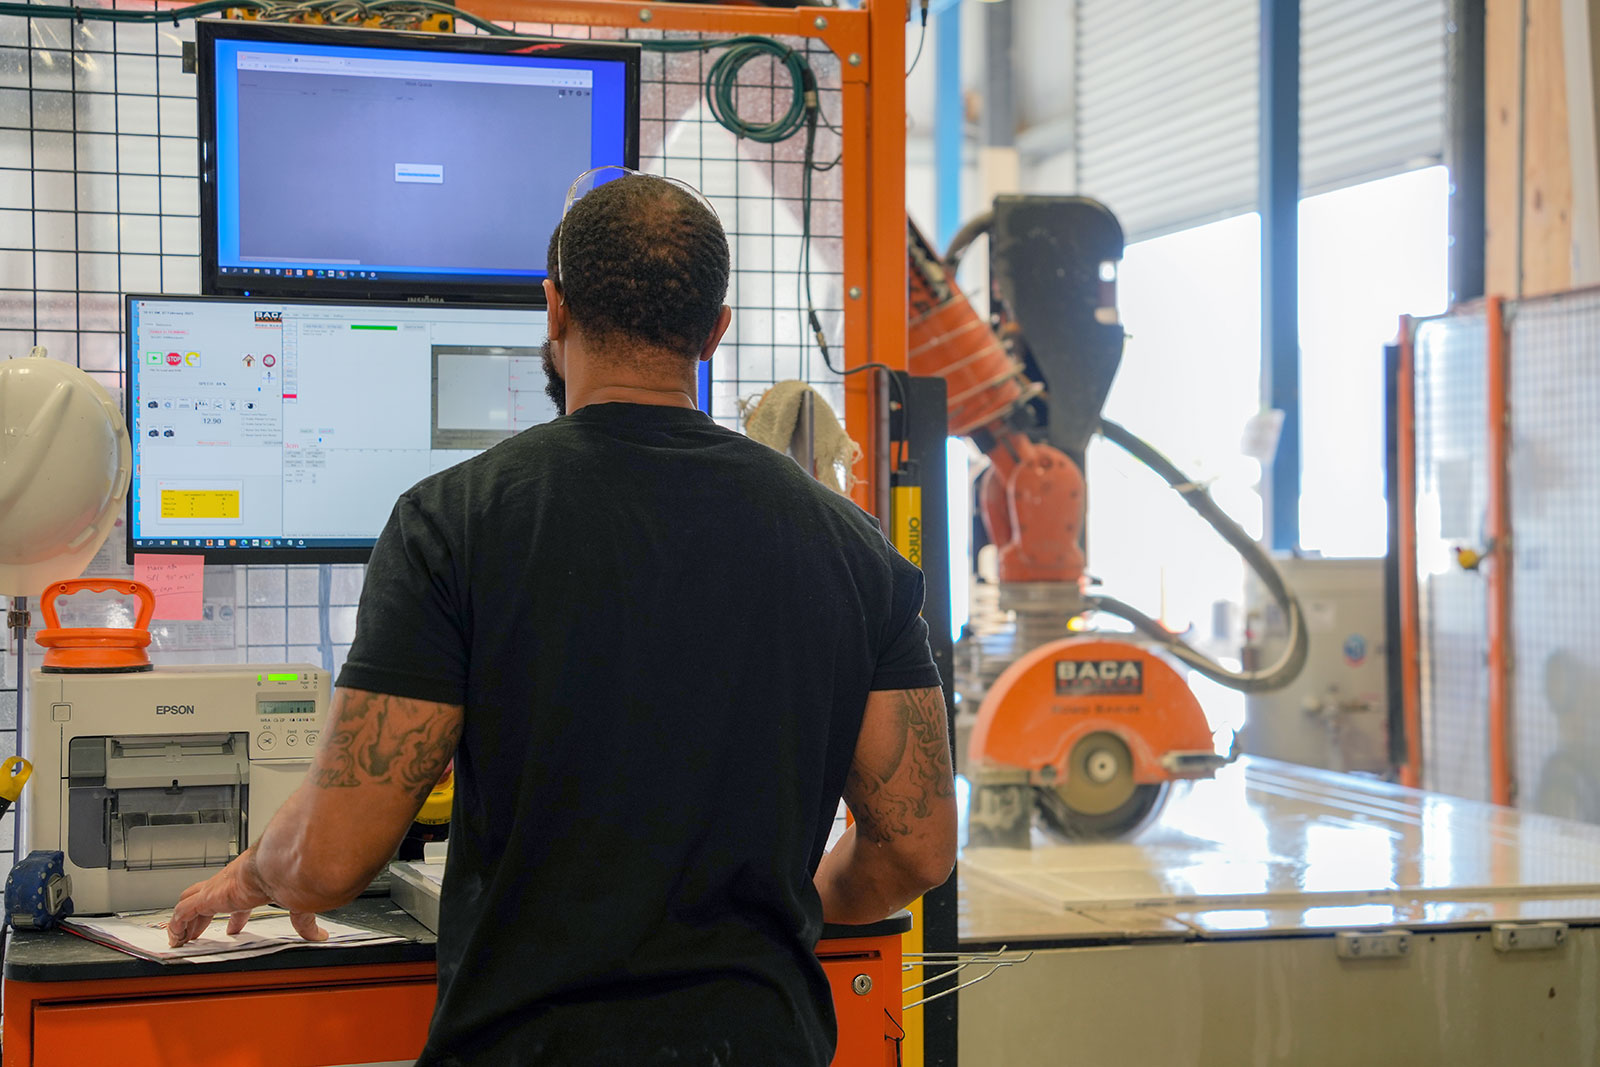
346,162
271,430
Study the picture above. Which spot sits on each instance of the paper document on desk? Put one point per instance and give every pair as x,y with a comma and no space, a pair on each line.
433,872
144,934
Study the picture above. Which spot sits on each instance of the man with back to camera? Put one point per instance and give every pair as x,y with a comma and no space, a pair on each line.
658,652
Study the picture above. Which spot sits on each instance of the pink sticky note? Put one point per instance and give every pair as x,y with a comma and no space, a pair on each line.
177,582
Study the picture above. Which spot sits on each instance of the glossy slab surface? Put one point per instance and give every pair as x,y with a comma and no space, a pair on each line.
1273,847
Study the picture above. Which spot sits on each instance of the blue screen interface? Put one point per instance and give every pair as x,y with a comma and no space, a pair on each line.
362,163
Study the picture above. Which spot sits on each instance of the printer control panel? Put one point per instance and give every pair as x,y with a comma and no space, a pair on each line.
287,715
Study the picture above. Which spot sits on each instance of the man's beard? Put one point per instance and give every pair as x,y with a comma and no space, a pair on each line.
555,386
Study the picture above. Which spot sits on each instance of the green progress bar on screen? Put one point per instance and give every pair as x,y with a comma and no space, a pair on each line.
356,326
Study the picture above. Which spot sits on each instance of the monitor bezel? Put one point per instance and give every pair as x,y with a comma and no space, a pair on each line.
241,556
467,290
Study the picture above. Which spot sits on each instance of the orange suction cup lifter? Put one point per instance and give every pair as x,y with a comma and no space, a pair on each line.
128,587
96,648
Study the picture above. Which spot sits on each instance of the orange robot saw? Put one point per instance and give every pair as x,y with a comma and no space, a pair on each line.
1086,730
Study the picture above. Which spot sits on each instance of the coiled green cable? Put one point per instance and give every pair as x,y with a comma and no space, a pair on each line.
722,84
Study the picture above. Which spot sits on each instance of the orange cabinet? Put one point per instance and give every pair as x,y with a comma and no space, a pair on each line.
121,1012
313,1015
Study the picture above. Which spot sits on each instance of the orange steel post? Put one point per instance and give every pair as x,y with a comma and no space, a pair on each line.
1502,788
868,42
885,297
1406,500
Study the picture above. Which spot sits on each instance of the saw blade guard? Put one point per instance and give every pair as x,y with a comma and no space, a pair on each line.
1042,708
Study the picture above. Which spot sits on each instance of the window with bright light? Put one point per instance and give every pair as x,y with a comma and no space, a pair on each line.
1368,254
1189,382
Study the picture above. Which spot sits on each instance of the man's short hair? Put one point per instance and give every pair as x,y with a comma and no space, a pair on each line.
641,260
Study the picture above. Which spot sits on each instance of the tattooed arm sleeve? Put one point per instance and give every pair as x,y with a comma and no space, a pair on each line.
902,793
379,758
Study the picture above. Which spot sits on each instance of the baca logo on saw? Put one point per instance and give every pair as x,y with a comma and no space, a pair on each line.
1101,677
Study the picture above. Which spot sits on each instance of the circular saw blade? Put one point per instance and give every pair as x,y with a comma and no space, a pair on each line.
1099,775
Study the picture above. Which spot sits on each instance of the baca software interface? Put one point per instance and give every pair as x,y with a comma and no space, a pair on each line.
282,424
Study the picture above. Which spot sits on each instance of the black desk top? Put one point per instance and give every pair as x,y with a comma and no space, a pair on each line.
57,956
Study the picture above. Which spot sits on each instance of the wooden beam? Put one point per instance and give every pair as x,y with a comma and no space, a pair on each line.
1526,123
1580,22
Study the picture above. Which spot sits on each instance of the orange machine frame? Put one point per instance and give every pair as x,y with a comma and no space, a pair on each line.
868,41
1406,501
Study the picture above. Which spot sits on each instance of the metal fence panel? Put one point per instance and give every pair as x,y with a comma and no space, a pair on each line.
1555,520
99,196
1452,494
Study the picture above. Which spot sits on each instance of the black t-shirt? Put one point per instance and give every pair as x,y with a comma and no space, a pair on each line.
664,635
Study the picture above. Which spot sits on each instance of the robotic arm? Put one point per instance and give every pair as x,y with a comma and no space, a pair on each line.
1049,253
1032,497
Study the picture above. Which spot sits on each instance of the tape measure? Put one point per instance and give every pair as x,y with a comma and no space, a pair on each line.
14,774
38,891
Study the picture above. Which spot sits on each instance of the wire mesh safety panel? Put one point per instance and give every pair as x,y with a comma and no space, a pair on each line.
756,190
99,196
1554,467
1452,494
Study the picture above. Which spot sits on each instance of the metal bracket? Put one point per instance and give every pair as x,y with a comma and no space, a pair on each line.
956,962
1528,937
1193,764
1378,945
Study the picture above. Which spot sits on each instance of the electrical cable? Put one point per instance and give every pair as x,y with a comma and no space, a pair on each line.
722,84
808,169
975,228
1293,659
804,113
922,39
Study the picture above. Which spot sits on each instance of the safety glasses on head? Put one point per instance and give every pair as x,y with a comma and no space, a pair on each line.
595,177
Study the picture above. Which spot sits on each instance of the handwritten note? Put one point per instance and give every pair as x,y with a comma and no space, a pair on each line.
177,581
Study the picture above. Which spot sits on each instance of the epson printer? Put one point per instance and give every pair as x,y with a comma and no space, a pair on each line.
152,781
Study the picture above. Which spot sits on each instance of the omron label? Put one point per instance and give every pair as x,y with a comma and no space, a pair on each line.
174,709
1103,677
269,316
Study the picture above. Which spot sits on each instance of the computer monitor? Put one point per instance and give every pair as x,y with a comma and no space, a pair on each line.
271,430
346,162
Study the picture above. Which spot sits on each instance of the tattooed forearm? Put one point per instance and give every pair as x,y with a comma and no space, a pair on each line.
889,789
378,739
930,766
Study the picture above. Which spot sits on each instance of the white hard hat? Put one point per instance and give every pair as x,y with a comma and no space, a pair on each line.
65,461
